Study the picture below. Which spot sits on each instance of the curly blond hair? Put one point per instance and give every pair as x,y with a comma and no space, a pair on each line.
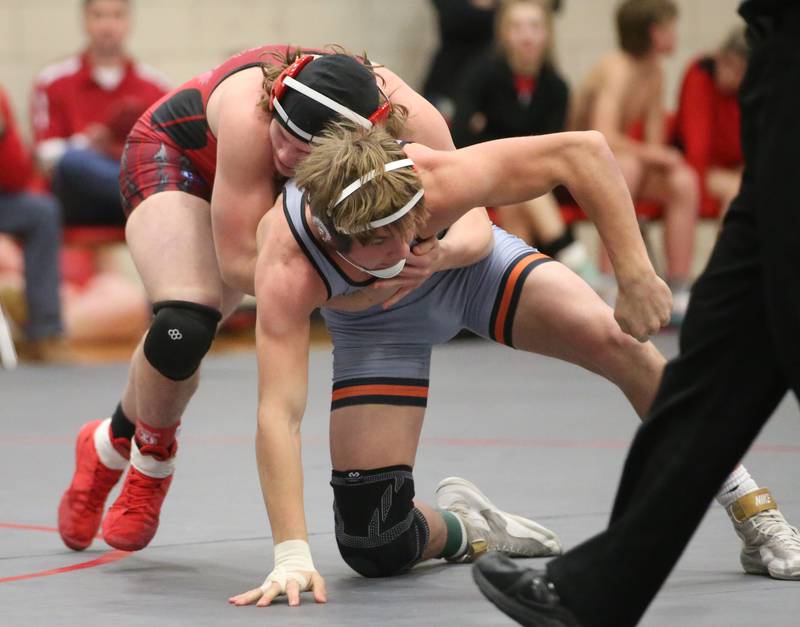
344,153
280,61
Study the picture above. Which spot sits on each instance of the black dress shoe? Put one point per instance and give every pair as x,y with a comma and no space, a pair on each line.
525,594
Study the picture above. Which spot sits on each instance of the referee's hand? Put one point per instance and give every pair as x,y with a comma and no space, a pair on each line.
643,306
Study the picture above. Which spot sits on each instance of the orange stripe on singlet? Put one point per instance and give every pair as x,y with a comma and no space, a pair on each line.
508,292
380,390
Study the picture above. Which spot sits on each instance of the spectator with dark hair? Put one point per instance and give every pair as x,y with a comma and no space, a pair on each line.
465,31
707,123
82,109
622,97
516,90
34,219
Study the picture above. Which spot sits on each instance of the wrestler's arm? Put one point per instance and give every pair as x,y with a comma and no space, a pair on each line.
243,189
425,124
510,171
287,290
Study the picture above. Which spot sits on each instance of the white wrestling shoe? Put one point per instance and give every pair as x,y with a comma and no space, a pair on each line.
770,545
490,529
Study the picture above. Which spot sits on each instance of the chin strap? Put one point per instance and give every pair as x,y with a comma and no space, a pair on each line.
381,273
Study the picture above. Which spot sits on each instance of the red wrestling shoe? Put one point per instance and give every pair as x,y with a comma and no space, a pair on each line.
99,463
132,521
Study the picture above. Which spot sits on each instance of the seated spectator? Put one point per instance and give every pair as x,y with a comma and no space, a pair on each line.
707,122
33,219
512,91
465,31
107,307
622,98
82,109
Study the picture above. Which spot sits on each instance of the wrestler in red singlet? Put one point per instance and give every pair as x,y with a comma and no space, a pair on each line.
171,147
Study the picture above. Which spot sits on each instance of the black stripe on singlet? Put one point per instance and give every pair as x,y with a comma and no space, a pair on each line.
324,252
231,72
302,245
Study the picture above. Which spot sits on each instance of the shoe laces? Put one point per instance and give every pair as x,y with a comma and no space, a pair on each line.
93,499
144,493
472,520
479,527
773,525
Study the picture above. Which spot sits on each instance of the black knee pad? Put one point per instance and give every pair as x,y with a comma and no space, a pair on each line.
179,337
378,529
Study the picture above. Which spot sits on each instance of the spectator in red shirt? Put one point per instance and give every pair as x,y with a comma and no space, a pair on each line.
34,219
82,109
707,123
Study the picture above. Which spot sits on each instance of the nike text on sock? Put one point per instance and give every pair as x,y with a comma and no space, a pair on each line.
738,483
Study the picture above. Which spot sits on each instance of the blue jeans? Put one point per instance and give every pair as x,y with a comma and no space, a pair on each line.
87,184
35,220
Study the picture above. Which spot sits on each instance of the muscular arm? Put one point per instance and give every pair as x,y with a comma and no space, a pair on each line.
285,298
242,191
425,124
510,171
287,290
468,241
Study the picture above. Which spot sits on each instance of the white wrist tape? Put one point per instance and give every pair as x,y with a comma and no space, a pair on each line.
292,562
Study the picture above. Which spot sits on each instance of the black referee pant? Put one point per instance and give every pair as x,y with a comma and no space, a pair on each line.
739,354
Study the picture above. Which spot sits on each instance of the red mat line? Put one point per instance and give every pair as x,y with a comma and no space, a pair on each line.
105,558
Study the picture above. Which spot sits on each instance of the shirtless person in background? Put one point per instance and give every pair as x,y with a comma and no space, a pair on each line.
622,98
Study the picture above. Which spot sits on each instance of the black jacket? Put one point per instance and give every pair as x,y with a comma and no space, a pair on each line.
464,32
488,87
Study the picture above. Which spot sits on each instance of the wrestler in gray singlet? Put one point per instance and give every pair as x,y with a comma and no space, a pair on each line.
383,356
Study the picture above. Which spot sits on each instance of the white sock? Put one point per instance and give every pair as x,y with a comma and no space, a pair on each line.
149,465
738,483
105,450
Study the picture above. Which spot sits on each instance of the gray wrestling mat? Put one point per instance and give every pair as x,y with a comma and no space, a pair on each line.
541,438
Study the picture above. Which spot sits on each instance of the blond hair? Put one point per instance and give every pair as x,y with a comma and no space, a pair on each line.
344,153
635,18
280,61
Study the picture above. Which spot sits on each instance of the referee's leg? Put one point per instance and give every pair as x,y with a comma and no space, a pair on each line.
713,400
